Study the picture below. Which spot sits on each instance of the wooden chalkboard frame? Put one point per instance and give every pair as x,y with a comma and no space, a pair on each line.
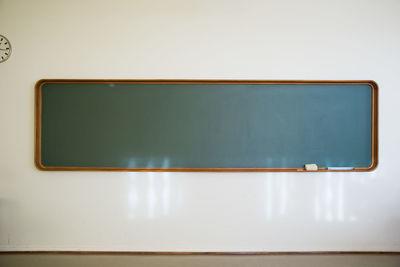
38,123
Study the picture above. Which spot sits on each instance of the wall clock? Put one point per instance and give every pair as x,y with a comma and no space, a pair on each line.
5,48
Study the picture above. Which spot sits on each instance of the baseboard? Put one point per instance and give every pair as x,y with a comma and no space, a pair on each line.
203,252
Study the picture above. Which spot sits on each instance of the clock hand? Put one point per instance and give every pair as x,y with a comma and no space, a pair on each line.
4,49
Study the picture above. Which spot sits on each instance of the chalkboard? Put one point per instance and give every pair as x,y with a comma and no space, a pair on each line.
206,125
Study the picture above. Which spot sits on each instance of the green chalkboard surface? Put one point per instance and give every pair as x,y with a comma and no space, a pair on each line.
205,125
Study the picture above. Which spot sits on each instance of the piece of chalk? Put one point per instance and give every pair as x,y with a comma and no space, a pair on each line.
340,168
311,167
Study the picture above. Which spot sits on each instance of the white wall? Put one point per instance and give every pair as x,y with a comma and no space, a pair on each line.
310,39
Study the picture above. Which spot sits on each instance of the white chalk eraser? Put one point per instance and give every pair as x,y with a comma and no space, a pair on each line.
311,167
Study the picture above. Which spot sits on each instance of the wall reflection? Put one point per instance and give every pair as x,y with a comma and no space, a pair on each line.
132,202
283,195
166,193
329,200
277,190
313,196
149,193
319,197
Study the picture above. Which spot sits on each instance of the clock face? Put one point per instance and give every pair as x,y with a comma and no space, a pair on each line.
5,48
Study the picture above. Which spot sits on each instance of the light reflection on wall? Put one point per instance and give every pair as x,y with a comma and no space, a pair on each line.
340,198
149,193
283,196
277,190
166,193
316,200
132,201
325,201
329,198
269,197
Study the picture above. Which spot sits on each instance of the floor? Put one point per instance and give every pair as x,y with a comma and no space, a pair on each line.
77,260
